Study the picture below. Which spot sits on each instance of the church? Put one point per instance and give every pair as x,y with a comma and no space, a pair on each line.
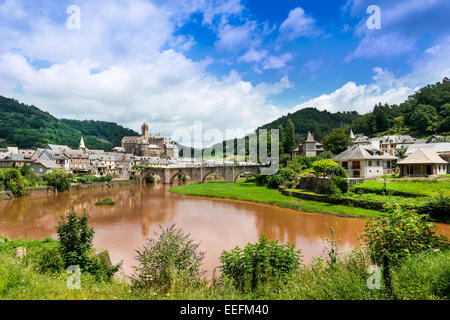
150,145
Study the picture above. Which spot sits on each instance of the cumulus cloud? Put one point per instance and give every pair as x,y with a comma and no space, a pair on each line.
299,24
127,64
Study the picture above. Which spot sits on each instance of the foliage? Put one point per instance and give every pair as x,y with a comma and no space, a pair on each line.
318,122
50,260
29,127
337,141
75,237
260,263
423,276
336,171
338,182
407,188
59,179
424,112
274,181
106,201
289,142
92,178
322,166
392,238
171,255
438,208
13,180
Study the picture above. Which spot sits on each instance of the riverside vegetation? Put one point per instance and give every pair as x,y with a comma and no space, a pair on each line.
413,258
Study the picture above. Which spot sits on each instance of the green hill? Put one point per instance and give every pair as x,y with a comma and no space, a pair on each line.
424,113
29,127
318,122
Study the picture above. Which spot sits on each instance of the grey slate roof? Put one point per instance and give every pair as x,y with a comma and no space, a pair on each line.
361,152
423,156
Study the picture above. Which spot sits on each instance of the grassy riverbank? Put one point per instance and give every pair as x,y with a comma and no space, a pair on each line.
21,279
252,192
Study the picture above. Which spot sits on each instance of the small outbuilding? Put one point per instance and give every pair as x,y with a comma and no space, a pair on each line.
422,163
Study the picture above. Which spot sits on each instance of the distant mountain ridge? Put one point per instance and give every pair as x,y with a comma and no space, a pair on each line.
27,126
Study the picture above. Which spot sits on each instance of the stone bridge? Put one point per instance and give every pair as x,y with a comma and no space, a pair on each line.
199,173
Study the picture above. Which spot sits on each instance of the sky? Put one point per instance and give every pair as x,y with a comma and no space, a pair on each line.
232,64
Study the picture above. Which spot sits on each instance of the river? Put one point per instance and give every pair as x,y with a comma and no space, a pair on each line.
218,224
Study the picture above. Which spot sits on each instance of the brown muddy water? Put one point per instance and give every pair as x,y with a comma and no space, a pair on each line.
218,224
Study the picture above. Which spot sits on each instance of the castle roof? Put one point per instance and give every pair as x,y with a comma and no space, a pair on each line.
310,138
423,156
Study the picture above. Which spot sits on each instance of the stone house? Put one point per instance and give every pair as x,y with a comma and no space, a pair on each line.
423,163
365,161
43,166
15,161
310,148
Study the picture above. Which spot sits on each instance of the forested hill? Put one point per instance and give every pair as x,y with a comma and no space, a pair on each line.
318,122
29,127
422,114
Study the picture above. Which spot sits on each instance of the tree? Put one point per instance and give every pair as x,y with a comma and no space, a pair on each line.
58,179
281,137
422,117
337,141
323,166
290,137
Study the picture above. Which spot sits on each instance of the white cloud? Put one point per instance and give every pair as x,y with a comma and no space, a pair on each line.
299,24
277,62
231,37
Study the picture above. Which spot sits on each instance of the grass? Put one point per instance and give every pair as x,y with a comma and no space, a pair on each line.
252,192
105,202
422,276
403,201
421,188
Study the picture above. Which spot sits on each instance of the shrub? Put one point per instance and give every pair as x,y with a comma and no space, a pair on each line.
274,181
50,260
75,237
438,208
58,179
423,276
170,256
261,180
339,183
391,239
106,201
336,171
260,263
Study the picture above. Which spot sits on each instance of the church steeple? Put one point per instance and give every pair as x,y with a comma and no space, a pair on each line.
82,145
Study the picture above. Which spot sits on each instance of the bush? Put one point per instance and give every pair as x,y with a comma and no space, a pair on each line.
274,181
389,240
338,184
336,171
323,166
260,263
438,208
170,256
58,179
75,237
423,276
50,260
261,180
105,202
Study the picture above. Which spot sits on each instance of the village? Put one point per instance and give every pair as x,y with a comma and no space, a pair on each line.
365,159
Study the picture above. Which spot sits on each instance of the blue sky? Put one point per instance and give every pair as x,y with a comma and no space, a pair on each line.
233,64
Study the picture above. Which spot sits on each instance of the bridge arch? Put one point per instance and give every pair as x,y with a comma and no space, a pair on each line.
155,174
251,172
173,176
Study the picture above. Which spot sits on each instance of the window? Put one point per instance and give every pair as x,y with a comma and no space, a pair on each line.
345,164
356,165
356,174
370,163
40,170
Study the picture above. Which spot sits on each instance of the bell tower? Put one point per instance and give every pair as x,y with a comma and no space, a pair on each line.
144,129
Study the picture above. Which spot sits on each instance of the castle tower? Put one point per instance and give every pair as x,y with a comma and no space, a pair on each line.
144,129
352,136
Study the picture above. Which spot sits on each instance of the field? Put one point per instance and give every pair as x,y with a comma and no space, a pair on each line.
253,192
418,188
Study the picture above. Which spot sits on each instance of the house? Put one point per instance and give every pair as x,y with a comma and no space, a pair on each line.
423,163
78,160
393,144
310,148
58,157
4,152
43,166
15,161
365,161
441,148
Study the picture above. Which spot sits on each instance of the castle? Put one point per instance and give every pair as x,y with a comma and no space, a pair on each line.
150,145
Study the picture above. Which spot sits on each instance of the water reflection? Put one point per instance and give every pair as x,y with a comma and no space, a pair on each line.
218,224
